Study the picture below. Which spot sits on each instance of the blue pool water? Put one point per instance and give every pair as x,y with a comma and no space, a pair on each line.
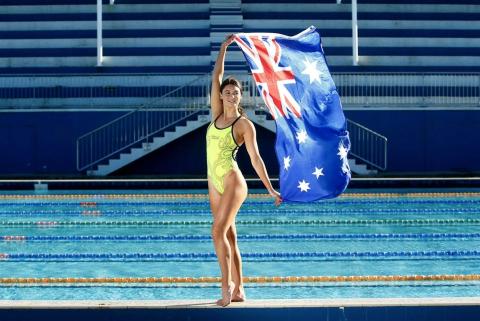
154,234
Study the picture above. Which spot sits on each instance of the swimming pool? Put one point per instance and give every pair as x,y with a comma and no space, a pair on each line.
155,245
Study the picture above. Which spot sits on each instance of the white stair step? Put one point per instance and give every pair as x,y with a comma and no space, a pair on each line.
169,135
360,169
157,142
101,168
261,120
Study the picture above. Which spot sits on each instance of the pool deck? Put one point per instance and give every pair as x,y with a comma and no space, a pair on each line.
201,304
373,309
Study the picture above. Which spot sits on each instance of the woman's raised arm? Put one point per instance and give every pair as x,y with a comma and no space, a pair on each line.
217,77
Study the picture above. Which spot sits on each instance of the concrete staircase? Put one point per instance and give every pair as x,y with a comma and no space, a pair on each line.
183,128
162,139
226,18
355,166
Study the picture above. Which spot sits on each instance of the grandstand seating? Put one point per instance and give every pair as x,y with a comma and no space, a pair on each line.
55,43
139,37
41,37
425,35
151,47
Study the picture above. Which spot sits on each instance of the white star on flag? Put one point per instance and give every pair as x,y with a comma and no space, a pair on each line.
303,186
286,162
302,136
342,151
318,172
311,70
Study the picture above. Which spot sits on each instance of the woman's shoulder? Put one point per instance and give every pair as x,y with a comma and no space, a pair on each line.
243,119
244,124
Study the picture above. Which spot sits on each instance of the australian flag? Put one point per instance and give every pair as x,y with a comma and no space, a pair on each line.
312,142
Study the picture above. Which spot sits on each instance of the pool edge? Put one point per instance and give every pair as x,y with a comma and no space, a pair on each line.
274,303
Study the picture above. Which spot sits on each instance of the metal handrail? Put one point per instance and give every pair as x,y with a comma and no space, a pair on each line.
358,90
143,138
417,89
139,125
368,145
147,105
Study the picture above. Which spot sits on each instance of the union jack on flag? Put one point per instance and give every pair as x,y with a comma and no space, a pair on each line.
312,142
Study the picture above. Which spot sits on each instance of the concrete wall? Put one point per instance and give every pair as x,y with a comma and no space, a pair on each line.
419,141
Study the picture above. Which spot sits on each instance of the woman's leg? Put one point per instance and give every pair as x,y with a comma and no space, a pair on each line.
236,264
230,201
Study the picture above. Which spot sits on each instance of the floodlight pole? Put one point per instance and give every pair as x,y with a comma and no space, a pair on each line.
354,32
99,34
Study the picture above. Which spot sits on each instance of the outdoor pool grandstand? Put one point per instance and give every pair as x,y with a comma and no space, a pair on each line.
104,210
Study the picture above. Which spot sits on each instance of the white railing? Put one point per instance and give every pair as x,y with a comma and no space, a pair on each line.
140,125
396,90
367,145
408,89
87,91
385,90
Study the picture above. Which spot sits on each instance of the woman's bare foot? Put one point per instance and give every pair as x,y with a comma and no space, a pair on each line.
239,295
227,295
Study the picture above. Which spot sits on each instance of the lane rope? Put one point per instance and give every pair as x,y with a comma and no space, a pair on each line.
306,212
251,279
266,196
50,224
247,237
247,202
253,256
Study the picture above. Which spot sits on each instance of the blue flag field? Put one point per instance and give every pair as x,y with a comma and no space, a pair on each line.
312,143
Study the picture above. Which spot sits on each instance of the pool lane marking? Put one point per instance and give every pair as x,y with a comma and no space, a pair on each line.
251,256
252,211
244,237
411,222
204,196
254,279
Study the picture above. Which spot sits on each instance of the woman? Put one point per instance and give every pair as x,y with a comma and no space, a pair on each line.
226,185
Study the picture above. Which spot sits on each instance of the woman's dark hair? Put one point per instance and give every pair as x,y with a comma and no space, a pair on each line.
231,81
236,83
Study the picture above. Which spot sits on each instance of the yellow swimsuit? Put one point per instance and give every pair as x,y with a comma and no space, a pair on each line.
221,153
